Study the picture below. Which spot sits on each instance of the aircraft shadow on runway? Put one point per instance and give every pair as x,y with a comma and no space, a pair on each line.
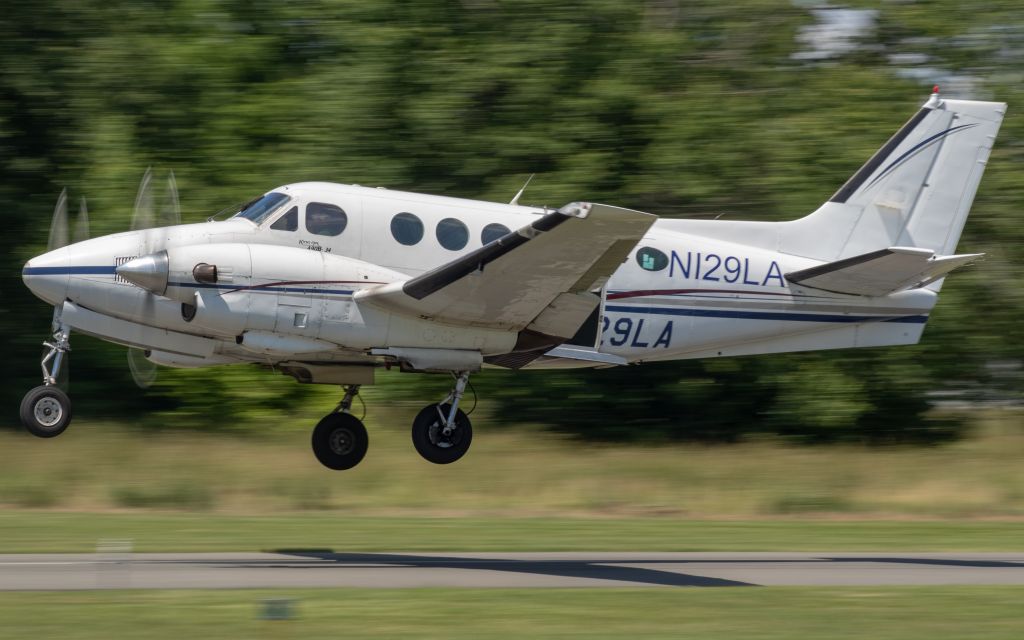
586,569
598,569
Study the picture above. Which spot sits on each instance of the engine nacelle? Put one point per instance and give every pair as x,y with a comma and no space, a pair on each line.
236,288
278,301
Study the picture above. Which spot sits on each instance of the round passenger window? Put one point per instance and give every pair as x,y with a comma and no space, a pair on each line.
492,232
651,259
452,234
407,228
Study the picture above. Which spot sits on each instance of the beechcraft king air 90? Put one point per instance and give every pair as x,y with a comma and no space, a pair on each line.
328,282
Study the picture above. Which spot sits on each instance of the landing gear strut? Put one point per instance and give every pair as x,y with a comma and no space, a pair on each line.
339,439
46,410
441,432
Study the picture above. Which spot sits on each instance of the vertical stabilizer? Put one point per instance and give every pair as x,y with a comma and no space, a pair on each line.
915,191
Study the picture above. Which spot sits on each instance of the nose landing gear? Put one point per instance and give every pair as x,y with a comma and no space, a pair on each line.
46,410
441,432
339,439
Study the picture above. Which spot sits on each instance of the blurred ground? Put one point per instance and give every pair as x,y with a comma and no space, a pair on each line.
526,489
993,613
109,467
39,531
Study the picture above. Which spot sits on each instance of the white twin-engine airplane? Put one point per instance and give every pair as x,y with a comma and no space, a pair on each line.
328,282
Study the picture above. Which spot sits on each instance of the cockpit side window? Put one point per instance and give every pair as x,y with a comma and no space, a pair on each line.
287,222
260,209
324,219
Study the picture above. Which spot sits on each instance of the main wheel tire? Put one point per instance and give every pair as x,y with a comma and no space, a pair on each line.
429,439
340,441
46,411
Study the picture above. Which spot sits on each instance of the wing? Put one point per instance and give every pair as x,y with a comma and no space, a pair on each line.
540,278
880,272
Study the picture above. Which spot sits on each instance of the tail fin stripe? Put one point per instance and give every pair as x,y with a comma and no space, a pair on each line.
880,156
917,148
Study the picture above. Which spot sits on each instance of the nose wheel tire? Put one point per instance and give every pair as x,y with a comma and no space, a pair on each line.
433,443
46,411
340,441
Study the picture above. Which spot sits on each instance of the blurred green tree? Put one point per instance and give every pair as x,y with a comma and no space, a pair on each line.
678,108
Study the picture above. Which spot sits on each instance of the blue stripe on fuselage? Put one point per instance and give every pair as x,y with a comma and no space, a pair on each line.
105,270
704,313
63,271
765,315
256,289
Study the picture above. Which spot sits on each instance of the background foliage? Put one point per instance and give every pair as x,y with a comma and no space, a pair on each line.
678,108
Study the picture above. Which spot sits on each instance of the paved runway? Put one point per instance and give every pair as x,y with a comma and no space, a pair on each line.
313,568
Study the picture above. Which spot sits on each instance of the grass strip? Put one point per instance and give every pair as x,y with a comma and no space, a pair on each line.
736,613
41,531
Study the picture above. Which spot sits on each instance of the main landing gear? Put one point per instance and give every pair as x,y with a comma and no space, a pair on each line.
441,432
46,410
339,439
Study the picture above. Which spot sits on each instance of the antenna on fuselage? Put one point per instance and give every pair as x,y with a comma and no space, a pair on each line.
515,200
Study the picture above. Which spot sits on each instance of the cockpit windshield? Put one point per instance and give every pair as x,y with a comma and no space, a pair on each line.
262,208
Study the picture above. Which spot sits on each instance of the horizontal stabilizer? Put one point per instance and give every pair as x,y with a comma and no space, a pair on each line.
541,277
880,272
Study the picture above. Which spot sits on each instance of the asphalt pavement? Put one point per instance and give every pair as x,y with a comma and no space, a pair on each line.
326,568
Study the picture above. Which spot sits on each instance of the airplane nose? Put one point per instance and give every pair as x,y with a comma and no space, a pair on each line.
47,276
